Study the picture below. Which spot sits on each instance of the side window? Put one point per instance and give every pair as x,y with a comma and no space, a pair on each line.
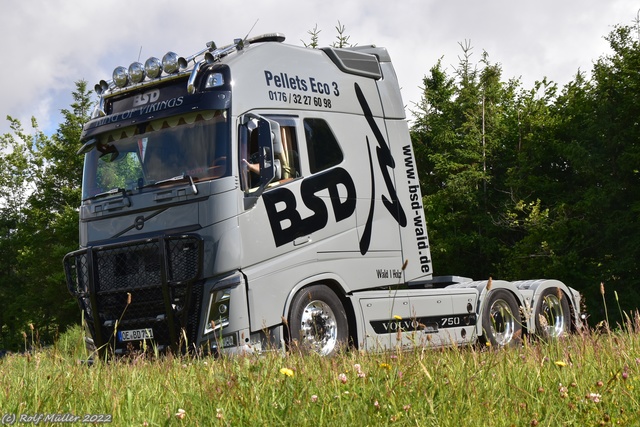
289,158
324,151
285,153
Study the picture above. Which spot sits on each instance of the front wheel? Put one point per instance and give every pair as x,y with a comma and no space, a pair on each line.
500,319
552,314
318,321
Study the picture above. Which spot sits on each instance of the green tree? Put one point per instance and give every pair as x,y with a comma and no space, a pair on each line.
16,178
532,177
458,135
576,181
315,36
342,39
603,149
41,224
536,183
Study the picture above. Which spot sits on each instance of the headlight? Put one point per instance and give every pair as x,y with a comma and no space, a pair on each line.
218,317
214,80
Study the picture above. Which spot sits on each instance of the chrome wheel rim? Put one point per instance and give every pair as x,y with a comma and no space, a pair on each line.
503,323
319,327
551,316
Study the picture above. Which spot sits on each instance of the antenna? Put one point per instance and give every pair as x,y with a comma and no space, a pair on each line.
251,29
241,43
140,53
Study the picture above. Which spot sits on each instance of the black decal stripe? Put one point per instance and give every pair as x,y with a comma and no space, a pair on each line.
365,241
385,160
368,114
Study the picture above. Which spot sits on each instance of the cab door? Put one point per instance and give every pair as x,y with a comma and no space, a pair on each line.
302,223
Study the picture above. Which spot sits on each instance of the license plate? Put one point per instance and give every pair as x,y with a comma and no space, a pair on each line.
135,334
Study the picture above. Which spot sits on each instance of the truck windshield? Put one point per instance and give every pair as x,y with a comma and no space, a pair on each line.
194,145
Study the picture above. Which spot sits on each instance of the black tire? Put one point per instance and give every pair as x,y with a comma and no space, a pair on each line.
318,321
501,323
552,314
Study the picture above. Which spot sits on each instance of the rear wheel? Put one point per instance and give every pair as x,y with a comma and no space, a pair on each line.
500,319
318,321
552,314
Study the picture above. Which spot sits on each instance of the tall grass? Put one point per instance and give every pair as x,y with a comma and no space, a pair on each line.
582,380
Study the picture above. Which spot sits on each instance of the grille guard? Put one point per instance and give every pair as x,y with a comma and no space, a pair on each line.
146,283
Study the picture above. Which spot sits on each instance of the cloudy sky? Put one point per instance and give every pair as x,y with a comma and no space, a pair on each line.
46,46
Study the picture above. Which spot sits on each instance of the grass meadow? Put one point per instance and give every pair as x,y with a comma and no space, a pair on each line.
586,379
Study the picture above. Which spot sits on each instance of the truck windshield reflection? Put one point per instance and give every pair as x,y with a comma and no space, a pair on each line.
194,145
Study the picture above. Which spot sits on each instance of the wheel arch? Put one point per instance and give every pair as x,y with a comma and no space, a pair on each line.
484,287
533,290
338,286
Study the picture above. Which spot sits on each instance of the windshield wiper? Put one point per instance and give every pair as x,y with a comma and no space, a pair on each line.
114,191
177,178
111,192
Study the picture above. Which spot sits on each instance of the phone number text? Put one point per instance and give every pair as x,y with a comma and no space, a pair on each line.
298,99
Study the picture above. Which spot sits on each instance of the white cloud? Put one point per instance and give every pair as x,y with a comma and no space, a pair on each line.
47,46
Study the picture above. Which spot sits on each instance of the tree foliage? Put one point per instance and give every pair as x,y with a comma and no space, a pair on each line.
535,183
342,39
40,189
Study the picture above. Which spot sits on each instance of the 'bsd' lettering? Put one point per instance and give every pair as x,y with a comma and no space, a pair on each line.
286,222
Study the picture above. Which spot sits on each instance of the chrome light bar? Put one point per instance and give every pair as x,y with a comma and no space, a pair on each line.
172,64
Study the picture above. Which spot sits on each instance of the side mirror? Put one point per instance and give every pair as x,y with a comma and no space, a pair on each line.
266,130
87,146
265,144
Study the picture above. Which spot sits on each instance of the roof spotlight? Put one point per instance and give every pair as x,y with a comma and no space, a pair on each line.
136,72
153,67
120,76
170,63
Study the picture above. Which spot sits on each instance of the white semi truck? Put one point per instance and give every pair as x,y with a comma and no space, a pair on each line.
260,195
